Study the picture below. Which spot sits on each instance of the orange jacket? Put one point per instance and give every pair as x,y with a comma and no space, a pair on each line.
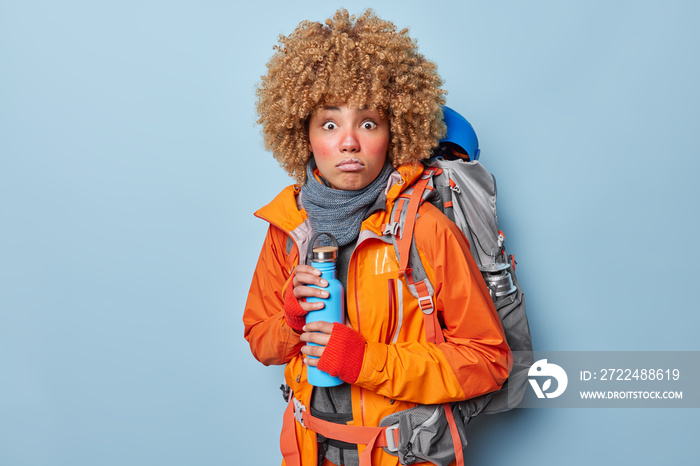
400,369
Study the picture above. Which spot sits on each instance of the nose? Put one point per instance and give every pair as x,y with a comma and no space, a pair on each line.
350,143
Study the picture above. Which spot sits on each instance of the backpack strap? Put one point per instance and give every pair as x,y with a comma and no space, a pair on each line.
409,219
372,437
403,221
288,437
459,453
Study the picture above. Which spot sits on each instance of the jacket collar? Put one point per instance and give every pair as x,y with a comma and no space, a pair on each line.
284,212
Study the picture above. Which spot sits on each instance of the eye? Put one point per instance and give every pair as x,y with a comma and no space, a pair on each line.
369,124
329,125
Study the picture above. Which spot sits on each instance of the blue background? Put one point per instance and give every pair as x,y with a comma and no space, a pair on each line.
131,165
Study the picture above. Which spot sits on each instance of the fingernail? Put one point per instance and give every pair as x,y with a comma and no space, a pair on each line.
324,282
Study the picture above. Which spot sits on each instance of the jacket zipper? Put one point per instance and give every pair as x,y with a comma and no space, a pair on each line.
357,314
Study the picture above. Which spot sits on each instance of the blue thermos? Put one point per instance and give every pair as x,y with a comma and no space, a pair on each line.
323,258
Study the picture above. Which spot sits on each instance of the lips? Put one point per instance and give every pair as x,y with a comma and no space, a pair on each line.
350,165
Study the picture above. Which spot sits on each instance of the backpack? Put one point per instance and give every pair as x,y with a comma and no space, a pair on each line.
466,193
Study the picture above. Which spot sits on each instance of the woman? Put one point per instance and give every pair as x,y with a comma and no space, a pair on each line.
349,108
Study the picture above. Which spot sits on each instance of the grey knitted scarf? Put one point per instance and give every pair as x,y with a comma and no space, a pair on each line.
336,211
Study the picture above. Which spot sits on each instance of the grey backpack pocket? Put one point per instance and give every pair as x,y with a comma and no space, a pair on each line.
424,435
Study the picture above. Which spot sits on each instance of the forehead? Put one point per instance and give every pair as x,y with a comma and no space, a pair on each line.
344,109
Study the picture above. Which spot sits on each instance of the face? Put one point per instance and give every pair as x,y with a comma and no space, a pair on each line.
349,145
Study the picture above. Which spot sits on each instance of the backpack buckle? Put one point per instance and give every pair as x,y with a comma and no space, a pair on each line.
391,438
426,304
299,410
391,228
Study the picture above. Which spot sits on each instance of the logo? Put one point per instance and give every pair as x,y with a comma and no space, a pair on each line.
542,368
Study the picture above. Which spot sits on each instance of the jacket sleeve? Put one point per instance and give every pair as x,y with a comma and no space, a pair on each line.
271,340
475,357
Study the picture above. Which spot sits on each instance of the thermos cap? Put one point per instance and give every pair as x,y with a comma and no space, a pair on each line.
325,254
322,253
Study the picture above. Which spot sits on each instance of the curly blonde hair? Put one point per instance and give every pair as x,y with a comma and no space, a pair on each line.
362,62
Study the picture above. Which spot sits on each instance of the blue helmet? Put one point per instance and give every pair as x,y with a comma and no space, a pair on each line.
460,132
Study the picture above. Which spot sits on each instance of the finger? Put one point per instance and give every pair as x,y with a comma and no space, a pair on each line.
313,306
304,270
319,326
309,292
315,351
313,362
315,337
309,278
301,268
303,279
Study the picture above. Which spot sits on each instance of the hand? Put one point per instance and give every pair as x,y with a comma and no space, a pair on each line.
341,349
306,275
295,305
318,333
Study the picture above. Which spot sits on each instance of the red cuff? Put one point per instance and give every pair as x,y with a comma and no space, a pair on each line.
343,354
293,313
